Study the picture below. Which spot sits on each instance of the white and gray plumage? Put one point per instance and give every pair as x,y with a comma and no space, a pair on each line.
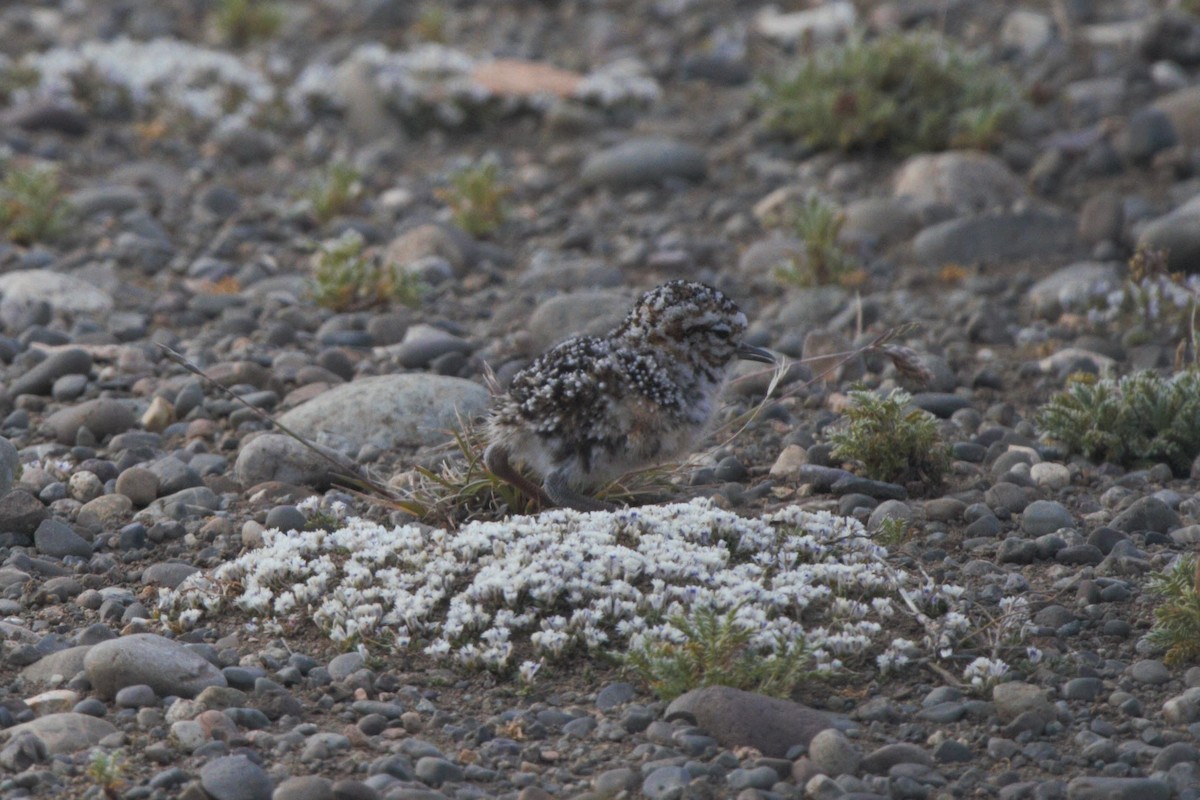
594,408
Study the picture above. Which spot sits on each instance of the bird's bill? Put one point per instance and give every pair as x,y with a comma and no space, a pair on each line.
752,353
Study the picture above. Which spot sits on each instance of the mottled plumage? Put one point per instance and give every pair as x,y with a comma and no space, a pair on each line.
593,408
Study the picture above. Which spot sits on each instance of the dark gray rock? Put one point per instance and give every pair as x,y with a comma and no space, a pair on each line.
102,416
641,161
40,379
737,718
57,539
1146,514
997,238
235,778
21,512
1100,788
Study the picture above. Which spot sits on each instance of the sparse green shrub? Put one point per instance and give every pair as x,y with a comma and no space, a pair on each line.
241,22
817,224
333,193
1177,618
107,770
1142,418
477,198
716,651
32,206
431,24
903,92
891,441
345,278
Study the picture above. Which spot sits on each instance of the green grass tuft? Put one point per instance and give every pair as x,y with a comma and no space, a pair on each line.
344,278
1142,418
242,22
890,441
818,224
903,93
32,206
1177,619
716,651
476,197
334,192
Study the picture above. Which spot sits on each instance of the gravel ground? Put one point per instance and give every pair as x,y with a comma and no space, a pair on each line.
628,134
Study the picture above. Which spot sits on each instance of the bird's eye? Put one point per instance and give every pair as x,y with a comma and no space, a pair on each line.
721,331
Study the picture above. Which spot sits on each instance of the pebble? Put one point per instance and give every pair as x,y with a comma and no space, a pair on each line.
103,417
738,718
642,161
1045,516
57,539
72,361
832,753
278,457
995,238
235,778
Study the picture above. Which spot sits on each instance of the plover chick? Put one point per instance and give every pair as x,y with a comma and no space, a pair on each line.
593,408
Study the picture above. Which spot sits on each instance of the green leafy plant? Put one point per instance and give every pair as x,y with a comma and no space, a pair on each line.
817,224
1142,418
476,196
32,206
345,278
889,440
903,92
241,22
1177,618
334,191
716,650
107,770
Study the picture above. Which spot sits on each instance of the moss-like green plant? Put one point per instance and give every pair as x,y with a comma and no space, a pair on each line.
903,92
716,650
817,224
32,206
334,191
431,24
477,197
345,278
242,22
889,440
1177,618
1142,418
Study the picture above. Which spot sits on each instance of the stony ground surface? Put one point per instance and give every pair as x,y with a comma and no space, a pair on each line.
638,158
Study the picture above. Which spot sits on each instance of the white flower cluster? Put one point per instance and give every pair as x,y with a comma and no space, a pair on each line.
566,582
200,81
438,82
1152,296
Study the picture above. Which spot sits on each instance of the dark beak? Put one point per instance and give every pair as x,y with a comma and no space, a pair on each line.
751,353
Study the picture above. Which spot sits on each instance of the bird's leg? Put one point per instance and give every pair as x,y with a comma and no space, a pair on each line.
561,494
495,458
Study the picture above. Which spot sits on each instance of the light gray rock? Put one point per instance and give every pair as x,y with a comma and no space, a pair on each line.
970,182
1179,234
235,778
56,668
735,718
832,753
1075,287
66,732
1015,698
162,664
642,161
64,293
277,457
306,787
824,23
1147,514
410,410
592,313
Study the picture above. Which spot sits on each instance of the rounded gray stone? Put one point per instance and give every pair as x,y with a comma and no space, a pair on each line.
1150,671
592,312
1147,514
21,512
642,161
57,539
436,771
67,732
1101,788
103,416
40,379
62,292
278,457
1016,698
997,238
735,718
235,778
411,410
1045,516
139,484
664,780
167,573
304,787
832,753
164,665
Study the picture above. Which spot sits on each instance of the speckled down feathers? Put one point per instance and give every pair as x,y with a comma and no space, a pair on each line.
596,407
